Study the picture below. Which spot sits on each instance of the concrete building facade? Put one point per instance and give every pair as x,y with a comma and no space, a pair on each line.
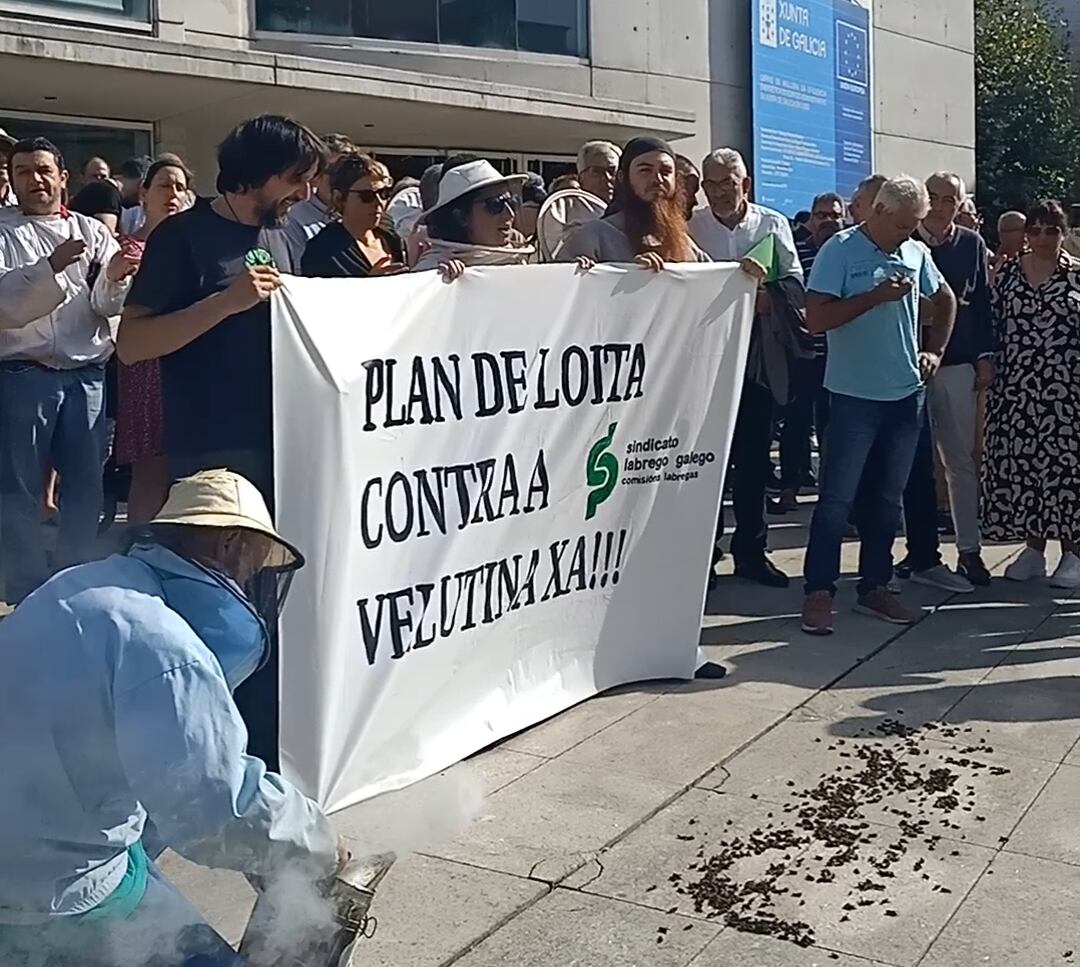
524,80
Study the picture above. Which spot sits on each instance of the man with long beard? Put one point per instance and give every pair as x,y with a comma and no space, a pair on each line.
645,222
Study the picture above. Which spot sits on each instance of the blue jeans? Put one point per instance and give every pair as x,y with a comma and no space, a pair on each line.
163,931
49,417
874,442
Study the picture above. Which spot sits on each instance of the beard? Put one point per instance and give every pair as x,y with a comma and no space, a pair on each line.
274,216
658,225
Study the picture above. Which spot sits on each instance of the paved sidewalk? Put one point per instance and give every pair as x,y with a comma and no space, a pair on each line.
886,796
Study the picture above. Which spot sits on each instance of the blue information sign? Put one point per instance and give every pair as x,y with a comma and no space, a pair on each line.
811,100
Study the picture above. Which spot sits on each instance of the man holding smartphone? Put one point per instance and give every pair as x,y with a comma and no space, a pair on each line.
865,293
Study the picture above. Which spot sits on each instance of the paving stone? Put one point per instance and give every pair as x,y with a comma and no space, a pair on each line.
1022,913
734,949
639,868
676,738
1038,717
1050,829
556,817
920,910
501,766
564,731
570,929
429,909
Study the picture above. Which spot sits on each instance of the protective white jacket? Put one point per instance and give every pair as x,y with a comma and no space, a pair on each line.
58,319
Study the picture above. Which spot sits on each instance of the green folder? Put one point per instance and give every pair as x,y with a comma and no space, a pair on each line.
765,253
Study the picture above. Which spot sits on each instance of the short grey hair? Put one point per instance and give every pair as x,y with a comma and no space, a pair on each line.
591,150
829,198
1012,220
727,158
950,176
870,185
904,192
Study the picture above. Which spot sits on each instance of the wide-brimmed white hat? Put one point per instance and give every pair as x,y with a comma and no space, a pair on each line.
472,175
221,498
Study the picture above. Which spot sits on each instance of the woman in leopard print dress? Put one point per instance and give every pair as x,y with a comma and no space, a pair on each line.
1031,469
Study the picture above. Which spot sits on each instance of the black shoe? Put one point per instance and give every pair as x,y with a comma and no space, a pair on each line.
945,524
762,571
711,670
972,567
904,568
774,507
809,481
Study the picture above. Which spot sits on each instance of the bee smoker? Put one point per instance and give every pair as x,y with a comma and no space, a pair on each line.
267,942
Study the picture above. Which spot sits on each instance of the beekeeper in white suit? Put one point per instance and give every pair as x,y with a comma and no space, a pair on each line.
116,707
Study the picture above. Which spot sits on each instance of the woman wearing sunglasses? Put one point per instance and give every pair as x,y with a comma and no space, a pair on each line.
1031,464
358,245
472,222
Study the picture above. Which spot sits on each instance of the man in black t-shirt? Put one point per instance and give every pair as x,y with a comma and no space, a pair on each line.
200,305
200,302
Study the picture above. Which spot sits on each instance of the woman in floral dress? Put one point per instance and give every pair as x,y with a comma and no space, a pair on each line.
1031,468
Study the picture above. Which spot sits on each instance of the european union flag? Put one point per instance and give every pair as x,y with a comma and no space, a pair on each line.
851,59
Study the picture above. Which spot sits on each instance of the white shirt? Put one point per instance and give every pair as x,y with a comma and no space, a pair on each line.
725,244
560,214
405,210
306,219
54,318
131,220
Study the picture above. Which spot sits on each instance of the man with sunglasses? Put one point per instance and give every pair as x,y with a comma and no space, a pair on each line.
966,369
120,737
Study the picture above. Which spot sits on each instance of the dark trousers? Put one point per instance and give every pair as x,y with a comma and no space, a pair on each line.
807,410
750,472
920,505
258,698
871,445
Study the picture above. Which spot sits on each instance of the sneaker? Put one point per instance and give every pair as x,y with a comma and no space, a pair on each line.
880,604
903,568
1067,574
944,579
1030,565
894,586
775,507
817,614
762,571
972,567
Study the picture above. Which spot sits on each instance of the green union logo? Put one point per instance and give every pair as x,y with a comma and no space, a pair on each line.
601,472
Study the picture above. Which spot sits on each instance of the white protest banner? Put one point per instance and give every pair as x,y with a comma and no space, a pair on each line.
506,489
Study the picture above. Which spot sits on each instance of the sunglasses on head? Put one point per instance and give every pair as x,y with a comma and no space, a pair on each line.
1052,231
369,195
500,203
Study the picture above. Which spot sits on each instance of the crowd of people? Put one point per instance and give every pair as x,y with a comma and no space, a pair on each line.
135,331
192,276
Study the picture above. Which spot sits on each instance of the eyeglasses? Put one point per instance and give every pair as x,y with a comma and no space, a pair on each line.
499,204
369,195
1050,231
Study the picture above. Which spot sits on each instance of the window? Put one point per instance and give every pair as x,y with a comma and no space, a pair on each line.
80,141
129,9
543,26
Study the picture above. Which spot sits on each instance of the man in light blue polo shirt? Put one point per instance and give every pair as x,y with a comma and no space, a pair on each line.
866,290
